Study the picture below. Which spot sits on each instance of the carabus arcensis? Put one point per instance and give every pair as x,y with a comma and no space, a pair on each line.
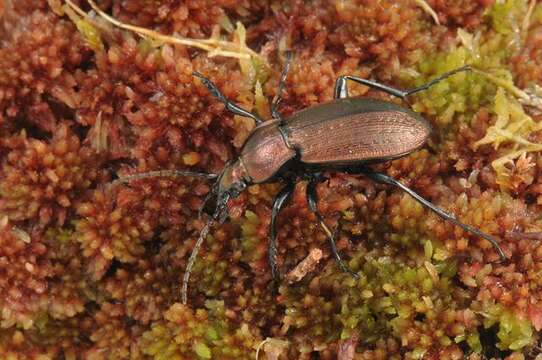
343,135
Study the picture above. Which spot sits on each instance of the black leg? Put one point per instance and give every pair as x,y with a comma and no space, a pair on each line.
274,107
385,179
312,198
236,109
341,88
279,202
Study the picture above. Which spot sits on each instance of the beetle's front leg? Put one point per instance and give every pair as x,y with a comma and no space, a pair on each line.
278,204
231,106
341,87
312,199
385,179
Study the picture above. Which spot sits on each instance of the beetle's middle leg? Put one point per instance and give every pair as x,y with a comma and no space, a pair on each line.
231,106
278,204
341,88
312,199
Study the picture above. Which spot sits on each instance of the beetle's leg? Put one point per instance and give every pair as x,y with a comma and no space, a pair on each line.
341,88
282,83
312,198
279,202
385,179
437,79
236,109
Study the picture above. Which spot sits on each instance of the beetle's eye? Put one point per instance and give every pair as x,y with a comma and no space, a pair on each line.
237,188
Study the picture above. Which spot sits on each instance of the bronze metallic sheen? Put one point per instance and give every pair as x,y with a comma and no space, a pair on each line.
366,136
265,152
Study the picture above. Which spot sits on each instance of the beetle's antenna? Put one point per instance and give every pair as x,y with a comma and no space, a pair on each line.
160,173
219,216
192,260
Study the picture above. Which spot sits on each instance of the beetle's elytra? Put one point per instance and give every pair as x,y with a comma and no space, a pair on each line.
343,135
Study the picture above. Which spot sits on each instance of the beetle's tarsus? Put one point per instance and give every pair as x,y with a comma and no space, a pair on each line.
230,105
385,179
282,83
437,79
312,199
278,204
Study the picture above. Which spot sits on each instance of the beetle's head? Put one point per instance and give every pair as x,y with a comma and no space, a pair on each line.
231,182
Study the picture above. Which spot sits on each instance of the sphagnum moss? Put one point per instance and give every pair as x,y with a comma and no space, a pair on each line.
93,272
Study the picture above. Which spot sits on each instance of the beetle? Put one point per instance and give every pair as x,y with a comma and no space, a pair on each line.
343,135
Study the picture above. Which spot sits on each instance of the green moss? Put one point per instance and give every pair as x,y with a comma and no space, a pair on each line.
514,333
459,97
511,130
209,274
507,16
202,351
203,333
87,30
61,236
250,240
386,301
91,35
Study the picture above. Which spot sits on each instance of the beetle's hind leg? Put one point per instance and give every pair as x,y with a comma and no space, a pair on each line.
278,204
341,87
385,179
230,105
282,83
312,199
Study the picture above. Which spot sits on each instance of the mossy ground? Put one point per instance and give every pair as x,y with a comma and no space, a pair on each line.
89,271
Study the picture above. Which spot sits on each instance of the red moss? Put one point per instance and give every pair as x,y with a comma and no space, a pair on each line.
146,293
107,231
36,81
41,179
193,18
112,335
18,345
464,14
24,275
527,63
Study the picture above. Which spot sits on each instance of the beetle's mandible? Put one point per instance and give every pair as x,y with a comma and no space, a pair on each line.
343,135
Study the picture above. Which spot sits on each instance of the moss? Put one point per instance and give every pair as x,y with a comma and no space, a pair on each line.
486,49
390,298
89,32
507,16
513,126
89,267
203,333
514,333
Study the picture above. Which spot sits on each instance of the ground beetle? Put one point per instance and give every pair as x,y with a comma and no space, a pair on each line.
343,135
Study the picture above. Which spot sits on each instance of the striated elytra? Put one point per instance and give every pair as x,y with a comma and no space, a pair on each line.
343,135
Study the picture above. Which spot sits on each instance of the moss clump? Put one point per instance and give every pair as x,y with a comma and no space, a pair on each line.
41,179
514,333
201,334
414,304
512,128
